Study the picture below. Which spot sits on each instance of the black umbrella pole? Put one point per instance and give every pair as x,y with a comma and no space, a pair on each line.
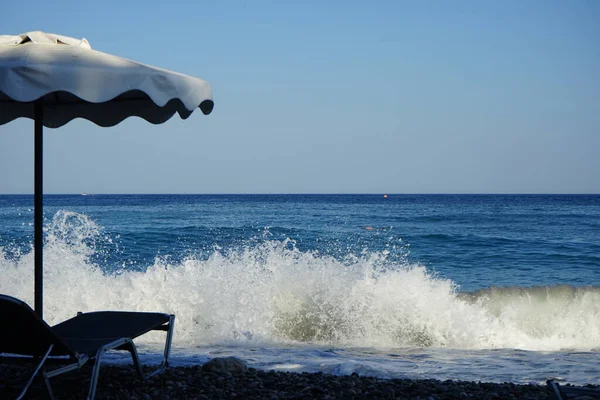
38,216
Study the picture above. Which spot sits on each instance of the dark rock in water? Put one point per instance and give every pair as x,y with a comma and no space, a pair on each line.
222,365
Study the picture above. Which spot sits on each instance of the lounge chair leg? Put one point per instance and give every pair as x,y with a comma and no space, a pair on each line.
47,383
126,344
566,392
95,373
555,389
165,363
35,373
130,347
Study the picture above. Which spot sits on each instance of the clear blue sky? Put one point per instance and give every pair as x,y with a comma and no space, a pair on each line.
334,97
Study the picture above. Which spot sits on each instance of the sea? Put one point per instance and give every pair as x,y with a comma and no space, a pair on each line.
491,288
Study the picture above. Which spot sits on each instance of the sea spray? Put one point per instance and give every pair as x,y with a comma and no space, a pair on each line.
564,316
270,292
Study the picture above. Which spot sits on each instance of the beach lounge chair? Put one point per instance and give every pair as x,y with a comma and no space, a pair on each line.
572,392
74,342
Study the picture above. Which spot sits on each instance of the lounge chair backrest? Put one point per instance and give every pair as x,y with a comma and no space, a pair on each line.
23,332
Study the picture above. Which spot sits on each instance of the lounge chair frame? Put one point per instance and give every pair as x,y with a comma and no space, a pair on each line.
567,392
76,360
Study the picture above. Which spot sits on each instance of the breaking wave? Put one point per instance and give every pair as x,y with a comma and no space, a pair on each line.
270,292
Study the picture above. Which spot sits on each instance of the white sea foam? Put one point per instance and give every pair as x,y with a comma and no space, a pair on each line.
273,294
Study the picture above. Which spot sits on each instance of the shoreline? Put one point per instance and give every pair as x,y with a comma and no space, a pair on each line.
196,382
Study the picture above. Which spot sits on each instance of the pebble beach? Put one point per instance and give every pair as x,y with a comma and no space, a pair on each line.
196,382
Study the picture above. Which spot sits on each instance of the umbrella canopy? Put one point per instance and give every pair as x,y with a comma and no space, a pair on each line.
74,81
53,79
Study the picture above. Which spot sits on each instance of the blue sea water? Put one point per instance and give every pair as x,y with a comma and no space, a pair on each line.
474,287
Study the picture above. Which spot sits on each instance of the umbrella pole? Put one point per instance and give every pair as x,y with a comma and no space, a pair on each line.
38,235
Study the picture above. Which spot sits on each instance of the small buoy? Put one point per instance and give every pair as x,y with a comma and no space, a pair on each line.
385,196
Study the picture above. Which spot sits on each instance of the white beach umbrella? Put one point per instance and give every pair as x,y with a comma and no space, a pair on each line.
53,79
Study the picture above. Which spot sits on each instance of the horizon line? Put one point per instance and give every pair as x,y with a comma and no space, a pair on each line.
314,194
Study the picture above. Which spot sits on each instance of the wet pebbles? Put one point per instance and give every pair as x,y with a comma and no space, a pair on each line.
209,383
